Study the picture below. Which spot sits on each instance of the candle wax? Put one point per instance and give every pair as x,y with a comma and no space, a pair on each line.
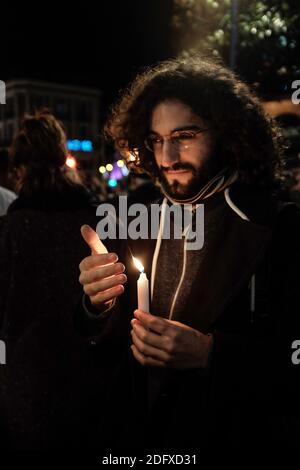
143,292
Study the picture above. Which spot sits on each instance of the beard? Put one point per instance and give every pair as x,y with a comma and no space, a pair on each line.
198,179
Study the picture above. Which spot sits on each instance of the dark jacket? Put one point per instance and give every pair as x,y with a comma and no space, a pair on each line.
248,395
40,251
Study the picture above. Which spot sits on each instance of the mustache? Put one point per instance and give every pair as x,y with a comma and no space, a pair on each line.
178,166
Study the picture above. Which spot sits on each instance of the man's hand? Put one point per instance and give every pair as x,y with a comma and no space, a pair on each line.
100,274
165,343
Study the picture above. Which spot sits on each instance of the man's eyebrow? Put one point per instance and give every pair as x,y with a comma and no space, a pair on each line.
190,127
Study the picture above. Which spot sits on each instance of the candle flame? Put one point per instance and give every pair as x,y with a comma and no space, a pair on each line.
138,264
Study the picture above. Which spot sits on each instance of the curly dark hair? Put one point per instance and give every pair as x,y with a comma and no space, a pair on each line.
40,142
247,139
40,146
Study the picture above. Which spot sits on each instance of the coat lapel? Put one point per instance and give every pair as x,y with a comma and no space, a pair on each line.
231,258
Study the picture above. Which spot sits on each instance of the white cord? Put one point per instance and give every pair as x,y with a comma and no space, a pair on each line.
158,243
180,282
233,206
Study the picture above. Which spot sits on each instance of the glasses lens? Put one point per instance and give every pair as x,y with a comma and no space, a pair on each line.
178,139
183,137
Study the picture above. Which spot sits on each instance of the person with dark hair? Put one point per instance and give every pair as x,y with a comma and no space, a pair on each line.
210,364
40,248
38,155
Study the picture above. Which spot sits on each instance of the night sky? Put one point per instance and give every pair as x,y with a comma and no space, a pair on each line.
82,45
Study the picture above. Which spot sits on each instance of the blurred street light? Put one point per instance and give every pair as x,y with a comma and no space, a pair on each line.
71,162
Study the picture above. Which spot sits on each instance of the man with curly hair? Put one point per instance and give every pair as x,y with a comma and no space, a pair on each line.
210,363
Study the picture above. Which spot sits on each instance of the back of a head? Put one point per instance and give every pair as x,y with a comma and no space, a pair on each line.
40,142
40,148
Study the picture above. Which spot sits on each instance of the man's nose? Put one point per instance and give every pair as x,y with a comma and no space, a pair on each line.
169,155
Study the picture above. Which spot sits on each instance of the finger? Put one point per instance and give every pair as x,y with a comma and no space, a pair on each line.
93,261
92,239
157,324
99,273
147,350
152,339
107,295
107,283
145,361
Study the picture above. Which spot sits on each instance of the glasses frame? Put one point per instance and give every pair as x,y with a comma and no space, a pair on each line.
194,133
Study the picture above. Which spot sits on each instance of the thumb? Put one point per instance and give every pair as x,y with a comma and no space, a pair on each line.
92,239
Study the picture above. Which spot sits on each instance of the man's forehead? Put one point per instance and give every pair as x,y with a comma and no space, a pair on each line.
169,116
185,127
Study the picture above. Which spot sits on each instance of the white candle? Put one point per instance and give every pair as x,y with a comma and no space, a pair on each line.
143,292
142,287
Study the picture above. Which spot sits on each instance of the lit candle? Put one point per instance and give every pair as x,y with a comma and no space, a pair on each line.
142,287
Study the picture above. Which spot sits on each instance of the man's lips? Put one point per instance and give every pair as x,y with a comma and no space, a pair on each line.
176,172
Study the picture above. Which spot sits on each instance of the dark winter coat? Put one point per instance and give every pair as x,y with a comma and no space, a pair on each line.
46,367
248,395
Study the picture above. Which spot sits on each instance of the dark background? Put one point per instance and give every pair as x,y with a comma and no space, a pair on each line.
105,44
99,44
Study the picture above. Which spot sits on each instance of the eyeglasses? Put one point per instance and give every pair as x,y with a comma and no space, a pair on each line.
181,140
